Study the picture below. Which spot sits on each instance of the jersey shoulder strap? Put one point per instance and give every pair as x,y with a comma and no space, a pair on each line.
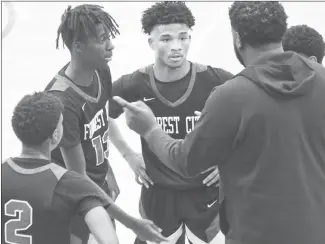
145,70
200,67
61,83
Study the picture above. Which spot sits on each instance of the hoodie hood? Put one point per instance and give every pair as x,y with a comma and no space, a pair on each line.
282,74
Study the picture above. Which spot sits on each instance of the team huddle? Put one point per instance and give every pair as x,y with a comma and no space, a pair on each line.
242,154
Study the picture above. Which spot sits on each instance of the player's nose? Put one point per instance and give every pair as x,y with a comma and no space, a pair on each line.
109,46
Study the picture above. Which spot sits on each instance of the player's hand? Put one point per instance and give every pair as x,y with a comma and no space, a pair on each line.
146,230
212,179
139,116
136,163
197,113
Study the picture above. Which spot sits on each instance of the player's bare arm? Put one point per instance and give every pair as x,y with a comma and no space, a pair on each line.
101,226
74,159
135,160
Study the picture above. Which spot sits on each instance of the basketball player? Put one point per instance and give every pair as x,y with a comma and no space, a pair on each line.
39,198
306,41
265,129
174,88
84,87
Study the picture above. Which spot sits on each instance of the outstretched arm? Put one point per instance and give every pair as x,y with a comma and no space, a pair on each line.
208,145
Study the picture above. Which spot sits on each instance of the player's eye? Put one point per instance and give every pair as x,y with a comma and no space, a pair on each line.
103,39
184,38
165,40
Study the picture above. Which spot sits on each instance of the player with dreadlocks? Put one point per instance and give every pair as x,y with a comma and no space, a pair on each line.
174,88
84,87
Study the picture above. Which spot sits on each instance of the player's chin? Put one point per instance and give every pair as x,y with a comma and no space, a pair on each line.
108,59
175,65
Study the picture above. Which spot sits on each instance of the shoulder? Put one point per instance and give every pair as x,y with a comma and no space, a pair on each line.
74,182
219,75
133,80
60,88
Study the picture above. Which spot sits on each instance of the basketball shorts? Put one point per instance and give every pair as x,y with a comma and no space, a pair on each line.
186,214
79,230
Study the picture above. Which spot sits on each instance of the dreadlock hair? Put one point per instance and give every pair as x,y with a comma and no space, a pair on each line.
80,23
35,118
306,40
165,13
258,23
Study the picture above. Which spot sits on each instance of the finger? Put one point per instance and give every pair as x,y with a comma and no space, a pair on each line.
212,182
211,179
160,238
144,182
138,180
156,228
197,113
144,175
125,104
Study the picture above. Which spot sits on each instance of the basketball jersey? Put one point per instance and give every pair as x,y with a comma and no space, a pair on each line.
176,117
92,115
27,205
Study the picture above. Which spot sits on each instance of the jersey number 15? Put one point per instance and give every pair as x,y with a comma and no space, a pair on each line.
97,143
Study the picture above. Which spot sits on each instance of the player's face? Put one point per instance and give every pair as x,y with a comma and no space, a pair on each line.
98,51
237,45
57,134
170,43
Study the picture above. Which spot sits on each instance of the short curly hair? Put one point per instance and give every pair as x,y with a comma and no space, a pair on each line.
35,118
306,40
258,23
165,13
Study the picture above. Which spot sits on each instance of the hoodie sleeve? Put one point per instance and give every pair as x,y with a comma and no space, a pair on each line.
211,141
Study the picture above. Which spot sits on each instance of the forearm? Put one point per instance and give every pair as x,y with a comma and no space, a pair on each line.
117,213
101,226
118,141
208,145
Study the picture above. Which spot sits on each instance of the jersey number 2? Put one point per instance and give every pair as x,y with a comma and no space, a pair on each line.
98,145
23,214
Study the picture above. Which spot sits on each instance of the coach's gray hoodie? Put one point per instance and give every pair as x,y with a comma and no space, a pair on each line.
265,129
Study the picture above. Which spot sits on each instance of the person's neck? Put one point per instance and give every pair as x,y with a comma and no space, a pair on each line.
252,54
37,152
80,73
166,74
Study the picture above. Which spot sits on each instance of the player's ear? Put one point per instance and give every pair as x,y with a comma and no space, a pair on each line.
78,46
236,39
55,136
150,42
313,58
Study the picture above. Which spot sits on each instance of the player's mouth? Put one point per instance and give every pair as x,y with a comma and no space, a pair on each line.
176,57
109,57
